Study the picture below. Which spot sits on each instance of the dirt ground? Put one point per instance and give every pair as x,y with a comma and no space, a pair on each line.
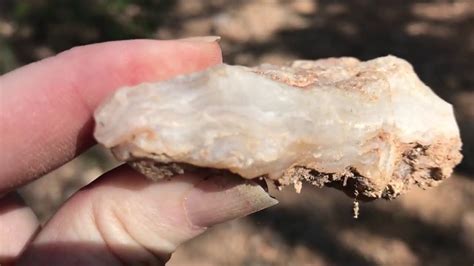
432,227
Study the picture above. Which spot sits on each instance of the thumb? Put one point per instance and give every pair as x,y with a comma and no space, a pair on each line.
124,218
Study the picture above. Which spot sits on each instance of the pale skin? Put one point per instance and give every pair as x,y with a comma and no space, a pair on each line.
122,217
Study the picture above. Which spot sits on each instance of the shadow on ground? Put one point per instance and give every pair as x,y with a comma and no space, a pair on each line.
385,232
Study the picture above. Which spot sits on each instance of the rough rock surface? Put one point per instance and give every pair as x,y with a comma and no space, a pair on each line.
371,128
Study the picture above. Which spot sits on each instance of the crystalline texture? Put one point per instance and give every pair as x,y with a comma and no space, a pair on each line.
371,126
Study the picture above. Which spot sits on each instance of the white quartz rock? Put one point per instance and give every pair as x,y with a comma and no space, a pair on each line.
370,127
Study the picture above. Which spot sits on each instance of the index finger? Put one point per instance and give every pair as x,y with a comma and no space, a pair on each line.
46,107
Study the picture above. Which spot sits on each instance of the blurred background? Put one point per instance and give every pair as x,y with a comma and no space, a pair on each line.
433,227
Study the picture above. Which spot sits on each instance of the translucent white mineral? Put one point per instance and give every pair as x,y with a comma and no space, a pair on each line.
371,126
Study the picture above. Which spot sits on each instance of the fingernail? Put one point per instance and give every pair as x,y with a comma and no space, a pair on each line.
222,198
201,39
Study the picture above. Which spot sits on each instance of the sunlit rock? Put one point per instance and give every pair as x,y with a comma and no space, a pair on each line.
372,128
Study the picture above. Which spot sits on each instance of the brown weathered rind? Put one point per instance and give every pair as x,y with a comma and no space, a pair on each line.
308,73
421,165
424,166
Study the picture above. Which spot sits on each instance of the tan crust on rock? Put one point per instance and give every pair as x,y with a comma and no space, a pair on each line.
424,166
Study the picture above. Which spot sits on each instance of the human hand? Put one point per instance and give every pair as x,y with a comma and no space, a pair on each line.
121,218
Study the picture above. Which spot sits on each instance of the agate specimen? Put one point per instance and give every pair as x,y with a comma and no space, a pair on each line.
370,126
